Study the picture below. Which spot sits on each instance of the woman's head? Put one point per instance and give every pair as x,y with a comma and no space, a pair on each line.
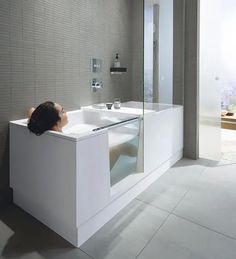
47,116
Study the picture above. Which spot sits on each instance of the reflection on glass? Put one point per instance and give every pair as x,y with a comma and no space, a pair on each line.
158,51
124,150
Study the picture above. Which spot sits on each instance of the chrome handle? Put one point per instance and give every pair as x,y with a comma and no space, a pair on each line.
124,122
96,84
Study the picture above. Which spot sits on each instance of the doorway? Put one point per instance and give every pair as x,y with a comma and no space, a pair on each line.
217,80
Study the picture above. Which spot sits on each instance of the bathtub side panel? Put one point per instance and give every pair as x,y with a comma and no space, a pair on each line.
93,177
178,130
163,137
43,178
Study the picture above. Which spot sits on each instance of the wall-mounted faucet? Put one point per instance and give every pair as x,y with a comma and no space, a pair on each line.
96,84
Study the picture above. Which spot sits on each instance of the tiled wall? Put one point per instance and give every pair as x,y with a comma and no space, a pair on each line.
45,52
191,92
137,47
186,44
178,52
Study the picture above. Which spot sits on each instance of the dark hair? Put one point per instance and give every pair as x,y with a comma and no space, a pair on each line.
43,118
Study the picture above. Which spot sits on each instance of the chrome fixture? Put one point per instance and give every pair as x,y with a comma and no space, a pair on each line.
96,84
96,65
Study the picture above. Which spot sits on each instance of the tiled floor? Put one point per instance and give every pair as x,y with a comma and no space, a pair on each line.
188,213
228,144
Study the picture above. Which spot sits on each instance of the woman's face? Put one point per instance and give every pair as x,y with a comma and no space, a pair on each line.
62,114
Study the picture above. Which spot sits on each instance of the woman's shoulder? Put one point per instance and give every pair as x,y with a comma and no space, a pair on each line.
30,111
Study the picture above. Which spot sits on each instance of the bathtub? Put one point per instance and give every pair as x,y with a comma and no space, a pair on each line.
64,179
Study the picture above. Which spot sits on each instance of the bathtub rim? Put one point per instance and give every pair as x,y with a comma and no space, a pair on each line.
85,135
74,138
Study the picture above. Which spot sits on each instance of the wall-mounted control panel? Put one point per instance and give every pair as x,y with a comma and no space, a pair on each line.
96,84
96,65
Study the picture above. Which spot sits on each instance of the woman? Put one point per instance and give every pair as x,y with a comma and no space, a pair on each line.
47,116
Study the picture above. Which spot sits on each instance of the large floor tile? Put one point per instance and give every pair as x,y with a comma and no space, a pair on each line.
228,140
211,204
31,255
184,172
189,162
170,188
221,175
224,162
66,253
180,239
22,236
127,233
163,196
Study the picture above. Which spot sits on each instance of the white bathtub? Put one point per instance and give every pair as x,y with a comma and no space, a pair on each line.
63,179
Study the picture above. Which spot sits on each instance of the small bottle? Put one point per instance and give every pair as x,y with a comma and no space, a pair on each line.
117,61
117,103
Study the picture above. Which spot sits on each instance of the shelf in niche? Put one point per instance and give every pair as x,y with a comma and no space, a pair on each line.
118,70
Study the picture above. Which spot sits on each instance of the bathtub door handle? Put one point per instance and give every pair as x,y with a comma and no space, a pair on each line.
117,123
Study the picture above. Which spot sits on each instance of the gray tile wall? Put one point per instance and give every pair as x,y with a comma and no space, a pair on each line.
178,52
137,50
191,92
186,44
45,51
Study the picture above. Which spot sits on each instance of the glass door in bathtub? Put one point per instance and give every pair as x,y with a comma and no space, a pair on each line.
125,143
125,150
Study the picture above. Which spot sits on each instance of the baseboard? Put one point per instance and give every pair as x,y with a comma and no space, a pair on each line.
6,197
